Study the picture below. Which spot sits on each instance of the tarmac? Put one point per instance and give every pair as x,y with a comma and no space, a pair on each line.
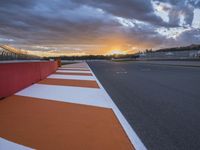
68,110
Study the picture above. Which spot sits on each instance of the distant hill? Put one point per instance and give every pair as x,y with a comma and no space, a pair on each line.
185,48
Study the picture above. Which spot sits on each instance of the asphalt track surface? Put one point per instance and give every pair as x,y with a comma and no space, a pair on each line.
161,102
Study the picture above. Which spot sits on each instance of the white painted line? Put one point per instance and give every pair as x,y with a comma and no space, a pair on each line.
8,145
135,140
69,71
74,67
82,69
71,77
78,95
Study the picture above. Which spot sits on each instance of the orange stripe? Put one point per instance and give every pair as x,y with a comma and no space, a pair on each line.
74,73
68,82
43,124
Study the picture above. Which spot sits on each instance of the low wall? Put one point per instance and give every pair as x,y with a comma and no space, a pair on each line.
16,76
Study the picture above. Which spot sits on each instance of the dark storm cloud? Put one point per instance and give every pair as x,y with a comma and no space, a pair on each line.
190,36
16,3
132,9
51,23
58,21
86,21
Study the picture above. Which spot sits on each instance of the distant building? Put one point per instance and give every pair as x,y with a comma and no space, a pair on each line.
186,54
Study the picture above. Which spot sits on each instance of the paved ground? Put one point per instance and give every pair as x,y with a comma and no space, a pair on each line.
161,102
174,63
67,110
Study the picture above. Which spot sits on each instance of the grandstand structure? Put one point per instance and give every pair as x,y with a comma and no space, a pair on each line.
10,53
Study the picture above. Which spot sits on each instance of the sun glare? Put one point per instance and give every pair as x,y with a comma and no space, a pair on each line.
116,52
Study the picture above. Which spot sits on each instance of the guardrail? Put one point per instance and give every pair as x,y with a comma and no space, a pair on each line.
16,76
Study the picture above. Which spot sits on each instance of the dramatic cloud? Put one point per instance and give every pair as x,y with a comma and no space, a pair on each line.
180,12
97,26
131,9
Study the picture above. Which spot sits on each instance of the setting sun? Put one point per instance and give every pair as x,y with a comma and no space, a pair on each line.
116,52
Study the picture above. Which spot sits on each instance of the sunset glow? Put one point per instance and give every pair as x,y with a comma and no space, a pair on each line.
74,27
116,52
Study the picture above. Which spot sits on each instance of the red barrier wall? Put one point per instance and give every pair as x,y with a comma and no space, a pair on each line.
16,76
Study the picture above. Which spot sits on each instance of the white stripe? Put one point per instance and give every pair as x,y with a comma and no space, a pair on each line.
82,69
135,140
69,71
79,95
8,145
71,77
74,67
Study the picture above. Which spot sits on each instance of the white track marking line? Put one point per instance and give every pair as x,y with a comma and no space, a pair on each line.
81,69
135,140
78,95
71,77
80,65
74,67
69,71
8,145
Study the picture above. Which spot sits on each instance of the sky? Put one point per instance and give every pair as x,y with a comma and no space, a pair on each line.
83,27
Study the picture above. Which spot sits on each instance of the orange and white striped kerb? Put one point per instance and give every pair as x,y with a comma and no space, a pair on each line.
68,110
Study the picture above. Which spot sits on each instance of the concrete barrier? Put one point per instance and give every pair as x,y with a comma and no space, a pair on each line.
16,76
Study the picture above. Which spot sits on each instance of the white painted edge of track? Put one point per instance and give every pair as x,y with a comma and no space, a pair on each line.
73,67
8,145
78,69
71,77
135,140
71,71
